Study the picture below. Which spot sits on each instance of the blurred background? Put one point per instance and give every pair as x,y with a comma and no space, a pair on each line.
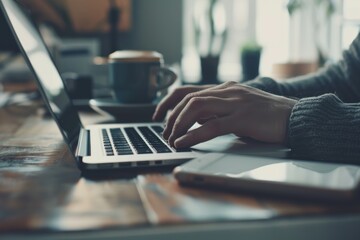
206,41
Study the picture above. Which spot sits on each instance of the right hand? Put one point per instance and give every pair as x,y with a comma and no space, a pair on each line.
170,101
227,108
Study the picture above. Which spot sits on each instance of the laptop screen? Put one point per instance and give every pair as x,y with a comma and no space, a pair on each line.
40,62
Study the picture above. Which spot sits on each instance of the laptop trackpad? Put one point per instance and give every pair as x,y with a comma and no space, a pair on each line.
232,144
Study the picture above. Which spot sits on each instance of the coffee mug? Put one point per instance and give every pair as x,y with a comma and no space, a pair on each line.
138,76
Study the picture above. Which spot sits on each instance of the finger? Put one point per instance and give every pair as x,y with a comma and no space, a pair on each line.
204,120
225,85
172,99
210,130
178,95
199,108
177,110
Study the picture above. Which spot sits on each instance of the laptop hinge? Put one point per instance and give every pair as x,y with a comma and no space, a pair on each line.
84,149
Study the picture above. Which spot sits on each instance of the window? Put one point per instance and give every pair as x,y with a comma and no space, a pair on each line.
272,31
240,27
350,21
263,20
283,38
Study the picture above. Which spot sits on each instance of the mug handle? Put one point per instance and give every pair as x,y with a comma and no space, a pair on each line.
160,79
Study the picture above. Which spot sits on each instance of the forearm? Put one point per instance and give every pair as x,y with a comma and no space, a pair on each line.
324,128
342,79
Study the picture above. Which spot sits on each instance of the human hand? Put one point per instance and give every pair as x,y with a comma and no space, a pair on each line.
224,109
170,101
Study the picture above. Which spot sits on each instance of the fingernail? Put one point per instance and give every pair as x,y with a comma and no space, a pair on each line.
170,144
170,140
165,135
179,143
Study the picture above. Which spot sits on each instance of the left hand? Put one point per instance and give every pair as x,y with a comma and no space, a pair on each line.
229,108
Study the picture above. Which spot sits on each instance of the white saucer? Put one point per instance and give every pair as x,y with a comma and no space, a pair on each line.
126,113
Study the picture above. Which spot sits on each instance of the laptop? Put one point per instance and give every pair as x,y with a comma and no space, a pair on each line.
109,146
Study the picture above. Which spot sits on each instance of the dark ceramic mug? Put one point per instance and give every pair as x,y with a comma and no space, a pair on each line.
138,76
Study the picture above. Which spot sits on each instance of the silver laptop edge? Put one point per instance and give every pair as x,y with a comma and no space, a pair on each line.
86,144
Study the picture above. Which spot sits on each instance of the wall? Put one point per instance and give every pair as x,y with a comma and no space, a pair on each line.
157,25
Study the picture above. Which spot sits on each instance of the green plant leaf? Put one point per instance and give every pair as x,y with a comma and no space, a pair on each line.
293,6
251,46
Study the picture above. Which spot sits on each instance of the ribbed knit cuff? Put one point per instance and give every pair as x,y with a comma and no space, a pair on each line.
324,128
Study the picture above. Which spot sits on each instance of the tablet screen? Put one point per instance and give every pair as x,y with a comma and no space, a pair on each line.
322,175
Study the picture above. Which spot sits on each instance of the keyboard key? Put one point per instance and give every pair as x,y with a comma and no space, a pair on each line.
121,145
125,152
154,140
144,151
183,150
159,130
107,144
137,142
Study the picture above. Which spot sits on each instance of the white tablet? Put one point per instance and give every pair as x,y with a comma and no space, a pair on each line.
313,180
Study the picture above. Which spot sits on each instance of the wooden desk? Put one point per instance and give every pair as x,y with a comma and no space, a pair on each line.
43,192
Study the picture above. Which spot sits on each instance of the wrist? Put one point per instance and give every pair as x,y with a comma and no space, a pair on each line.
290,102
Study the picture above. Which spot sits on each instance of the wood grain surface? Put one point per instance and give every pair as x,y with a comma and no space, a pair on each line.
42,189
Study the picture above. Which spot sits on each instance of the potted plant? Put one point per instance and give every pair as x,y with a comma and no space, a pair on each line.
210,36
250,60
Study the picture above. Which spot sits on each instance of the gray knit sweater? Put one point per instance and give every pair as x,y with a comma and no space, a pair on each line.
325,123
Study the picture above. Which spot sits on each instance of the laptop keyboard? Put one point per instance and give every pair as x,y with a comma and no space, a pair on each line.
107,143
137,142
119,144
154,140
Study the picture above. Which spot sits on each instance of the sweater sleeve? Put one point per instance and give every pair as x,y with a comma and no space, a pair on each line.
325,128
342,79
322,125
